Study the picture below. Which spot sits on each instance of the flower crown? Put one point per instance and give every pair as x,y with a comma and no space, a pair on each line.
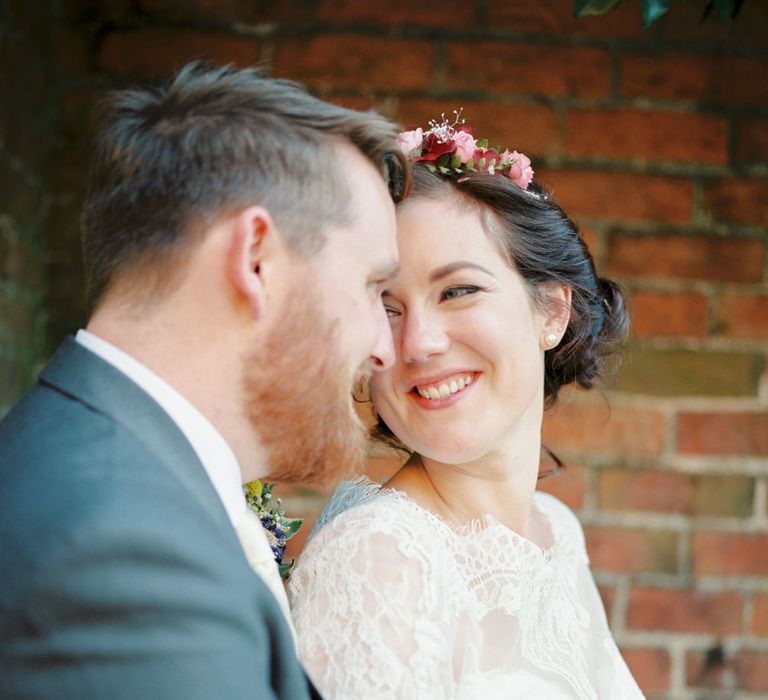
450,149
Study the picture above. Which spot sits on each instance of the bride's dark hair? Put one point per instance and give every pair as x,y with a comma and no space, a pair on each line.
538,239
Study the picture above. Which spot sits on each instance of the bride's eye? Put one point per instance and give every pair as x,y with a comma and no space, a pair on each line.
457,292
391,311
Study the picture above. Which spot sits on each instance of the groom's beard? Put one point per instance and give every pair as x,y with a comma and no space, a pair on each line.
298,399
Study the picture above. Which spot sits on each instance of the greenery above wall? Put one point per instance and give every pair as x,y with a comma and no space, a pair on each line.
653,9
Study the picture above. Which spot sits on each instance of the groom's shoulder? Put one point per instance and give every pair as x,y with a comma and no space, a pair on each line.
80,483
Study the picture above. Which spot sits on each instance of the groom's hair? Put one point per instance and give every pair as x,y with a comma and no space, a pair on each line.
169,160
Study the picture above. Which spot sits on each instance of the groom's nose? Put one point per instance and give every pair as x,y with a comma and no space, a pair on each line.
383,356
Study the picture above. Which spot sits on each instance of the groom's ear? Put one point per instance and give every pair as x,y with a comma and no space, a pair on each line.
253,242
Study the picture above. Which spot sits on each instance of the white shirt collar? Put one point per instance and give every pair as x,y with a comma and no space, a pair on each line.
216,455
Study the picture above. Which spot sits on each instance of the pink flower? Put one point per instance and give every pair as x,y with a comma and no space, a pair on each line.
465,145
520,169
409,141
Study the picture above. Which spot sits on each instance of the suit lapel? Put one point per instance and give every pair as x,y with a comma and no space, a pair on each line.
77,372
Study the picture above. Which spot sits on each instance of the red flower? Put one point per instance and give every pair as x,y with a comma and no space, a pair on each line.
433,148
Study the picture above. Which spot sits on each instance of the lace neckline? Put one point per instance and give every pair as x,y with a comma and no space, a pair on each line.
481,526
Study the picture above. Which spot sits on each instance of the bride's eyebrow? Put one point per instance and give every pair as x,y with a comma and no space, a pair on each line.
444,270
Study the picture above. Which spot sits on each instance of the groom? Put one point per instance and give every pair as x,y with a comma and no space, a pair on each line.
237,235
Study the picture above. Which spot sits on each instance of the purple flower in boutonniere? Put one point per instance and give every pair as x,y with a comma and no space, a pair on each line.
278,527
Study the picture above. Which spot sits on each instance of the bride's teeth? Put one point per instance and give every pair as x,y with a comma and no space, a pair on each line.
443,391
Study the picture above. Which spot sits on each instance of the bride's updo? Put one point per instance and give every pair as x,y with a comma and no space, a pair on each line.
543,244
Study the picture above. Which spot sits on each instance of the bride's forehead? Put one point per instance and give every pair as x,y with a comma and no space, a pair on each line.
432,233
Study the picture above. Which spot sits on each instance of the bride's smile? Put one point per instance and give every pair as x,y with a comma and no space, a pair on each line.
442,391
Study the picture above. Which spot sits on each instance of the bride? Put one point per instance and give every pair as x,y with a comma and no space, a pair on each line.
457,579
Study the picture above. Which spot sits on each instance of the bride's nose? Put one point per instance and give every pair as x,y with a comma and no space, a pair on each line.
422,336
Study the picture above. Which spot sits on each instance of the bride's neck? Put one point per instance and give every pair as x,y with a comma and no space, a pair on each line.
501,486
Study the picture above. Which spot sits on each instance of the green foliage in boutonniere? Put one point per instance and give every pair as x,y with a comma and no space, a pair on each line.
279,528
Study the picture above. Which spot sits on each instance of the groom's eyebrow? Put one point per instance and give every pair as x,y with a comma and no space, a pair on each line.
386,273
445,270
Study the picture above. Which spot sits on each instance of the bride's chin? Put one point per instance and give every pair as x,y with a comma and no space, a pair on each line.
450,452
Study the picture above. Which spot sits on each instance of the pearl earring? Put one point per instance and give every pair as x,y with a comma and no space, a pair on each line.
550,340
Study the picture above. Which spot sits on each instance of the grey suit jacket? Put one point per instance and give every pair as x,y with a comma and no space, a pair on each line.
122,576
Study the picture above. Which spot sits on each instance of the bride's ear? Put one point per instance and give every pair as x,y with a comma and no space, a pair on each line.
251,245
556,304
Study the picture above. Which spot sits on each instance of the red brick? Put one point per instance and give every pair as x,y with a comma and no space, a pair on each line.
569,486
752,140
431,13
592,238
655,135
359,102
658,372
744,670
669,314
608,596
555,18
342,60
671,610
531,129
631,551
744,316
621,196
157,52
670,492
287,11
650,668
601,429
529,69
700,78
723,496
738,200
730,554
71,47
739,433
687,257
760,615
752,670
644,489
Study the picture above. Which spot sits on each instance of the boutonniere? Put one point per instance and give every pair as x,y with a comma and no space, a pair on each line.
279,528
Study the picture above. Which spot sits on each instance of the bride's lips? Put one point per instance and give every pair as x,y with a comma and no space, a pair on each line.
443,390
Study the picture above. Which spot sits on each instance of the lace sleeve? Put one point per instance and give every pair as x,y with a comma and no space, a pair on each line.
370,609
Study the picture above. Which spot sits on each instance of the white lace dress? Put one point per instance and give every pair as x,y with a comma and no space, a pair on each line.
390,601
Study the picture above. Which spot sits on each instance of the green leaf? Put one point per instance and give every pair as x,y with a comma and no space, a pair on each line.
481,143
481,163
727,9
582,8
291,526
443,161
443,169
456,161
431,168
285,569
652,10
470,164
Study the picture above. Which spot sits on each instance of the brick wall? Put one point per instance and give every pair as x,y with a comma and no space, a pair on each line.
26,126
656,141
